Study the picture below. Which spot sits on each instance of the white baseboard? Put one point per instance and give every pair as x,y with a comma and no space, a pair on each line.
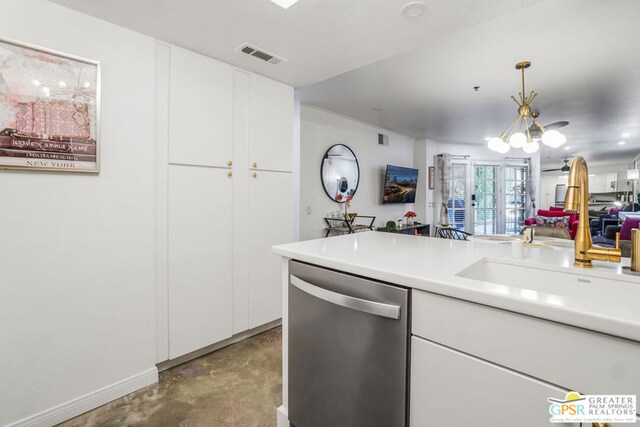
283,417
90,401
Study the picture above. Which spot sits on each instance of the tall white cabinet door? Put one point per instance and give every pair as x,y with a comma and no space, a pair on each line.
201,110
199,257
453,389
270,223
270,125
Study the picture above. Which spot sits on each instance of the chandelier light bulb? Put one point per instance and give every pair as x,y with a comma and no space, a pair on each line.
517,140
495,143
503,148
531,147
553,138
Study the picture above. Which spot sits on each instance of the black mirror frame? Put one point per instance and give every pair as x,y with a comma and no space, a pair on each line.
326,155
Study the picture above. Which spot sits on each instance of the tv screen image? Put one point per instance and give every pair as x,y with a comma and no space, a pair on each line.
400,185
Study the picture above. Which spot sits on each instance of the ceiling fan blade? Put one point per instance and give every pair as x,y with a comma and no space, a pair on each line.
556,125
552,170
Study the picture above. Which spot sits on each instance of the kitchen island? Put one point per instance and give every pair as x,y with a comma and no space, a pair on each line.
491,337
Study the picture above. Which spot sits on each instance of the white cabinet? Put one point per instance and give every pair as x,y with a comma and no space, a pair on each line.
216,221
199,258
604,183
503,365
449,388
200,110
547,191
270,125
597,184
623,183
270,223
611,182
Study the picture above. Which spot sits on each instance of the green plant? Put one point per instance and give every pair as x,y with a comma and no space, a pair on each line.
391,225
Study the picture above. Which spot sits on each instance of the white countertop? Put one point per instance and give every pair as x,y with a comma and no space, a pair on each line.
431,264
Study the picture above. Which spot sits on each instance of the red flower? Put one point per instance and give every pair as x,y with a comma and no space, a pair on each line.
338,197
410,214
347,202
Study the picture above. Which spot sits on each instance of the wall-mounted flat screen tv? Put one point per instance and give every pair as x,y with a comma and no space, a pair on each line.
400,185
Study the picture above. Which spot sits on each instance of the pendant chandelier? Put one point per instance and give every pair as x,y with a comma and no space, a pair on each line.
518,133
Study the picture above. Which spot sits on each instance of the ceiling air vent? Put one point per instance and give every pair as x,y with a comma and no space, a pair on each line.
262,54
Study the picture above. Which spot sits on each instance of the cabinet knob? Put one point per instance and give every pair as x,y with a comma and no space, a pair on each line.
254,174
229,163
254,165
229,173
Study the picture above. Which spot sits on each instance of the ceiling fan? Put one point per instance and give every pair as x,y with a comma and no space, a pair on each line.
536,132
565,169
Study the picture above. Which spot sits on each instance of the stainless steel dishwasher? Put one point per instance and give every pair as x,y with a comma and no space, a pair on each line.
348,349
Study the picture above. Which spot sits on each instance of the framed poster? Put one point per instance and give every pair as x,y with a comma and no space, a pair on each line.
49,109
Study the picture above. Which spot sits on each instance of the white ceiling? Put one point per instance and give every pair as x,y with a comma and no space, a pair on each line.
421,71
319,38
585,68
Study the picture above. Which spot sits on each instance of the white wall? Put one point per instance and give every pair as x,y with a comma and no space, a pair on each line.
321,129
77,252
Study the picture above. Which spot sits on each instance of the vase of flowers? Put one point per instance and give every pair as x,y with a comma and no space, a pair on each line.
410,217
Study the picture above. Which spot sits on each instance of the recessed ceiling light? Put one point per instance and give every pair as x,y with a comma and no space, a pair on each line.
621,142
285,4
486,138
567,148
626,135
412,10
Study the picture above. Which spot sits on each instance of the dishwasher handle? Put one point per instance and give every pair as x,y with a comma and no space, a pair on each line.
353,303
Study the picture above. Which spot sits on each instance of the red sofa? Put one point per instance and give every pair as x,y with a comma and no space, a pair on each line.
556,212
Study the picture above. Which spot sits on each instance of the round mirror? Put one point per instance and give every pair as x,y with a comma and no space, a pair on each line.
339,172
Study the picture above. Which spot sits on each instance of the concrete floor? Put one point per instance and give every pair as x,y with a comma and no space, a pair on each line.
239,385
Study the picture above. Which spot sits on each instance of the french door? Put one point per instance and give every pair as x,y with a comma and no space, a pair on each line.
499,198
486,212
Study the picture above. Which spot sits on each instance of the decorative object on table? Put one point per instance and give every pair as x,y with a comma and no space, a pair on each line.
528,234
432,171
390,225
347,205
400,185
444,215
410,215
49,105
520,134
399,225
339,172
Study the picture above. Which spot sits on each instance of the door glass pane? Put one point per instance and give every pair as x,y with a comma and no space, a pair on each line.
485,214
515,198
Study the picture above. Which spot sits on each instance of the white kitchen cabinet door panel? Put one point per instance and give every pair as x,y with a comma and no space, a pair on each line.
199,258
270,223
598,184
270,125
453,389
201,110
